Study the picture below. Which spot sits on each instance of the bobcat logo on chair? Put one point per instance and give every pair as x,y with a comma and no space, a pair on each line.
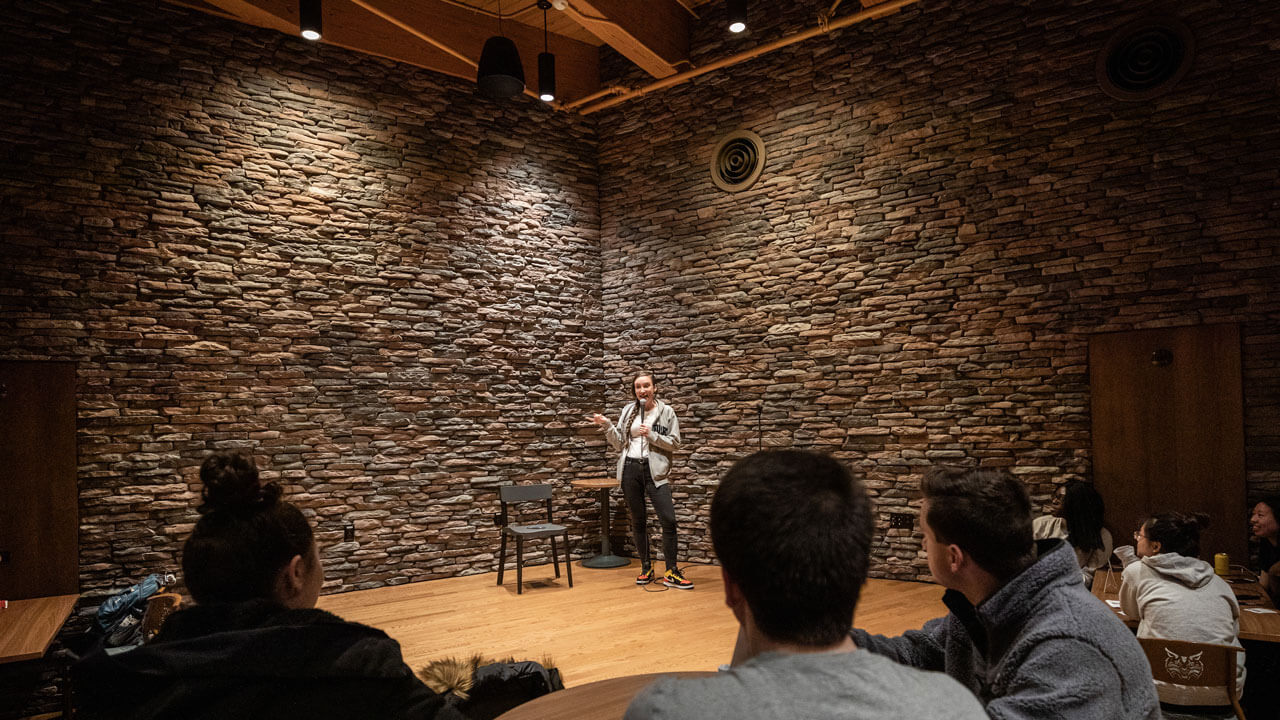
1183,667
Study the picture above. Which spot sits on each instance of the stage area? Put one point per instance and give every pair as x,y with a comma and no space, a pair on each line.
603,627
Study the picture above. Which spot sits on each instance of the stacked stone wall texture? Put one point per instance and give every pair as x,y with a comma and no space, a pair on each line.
384,286
399,295
949,210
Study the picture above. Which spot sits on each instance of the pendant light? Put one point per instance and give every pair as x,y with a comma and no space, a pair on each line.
546,61
500,75
309,19
737,15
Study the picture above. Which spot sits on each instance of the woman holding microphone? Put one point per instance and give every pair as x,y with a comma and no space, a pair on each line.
647,436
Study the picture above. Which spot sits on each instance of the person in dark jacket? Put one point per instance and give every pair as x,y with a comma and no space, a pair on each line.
1023,634
254,645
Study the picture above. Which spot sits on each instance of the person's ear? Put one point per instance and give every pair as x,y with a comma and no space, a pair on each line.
733,597
292,579
956,558
1154,545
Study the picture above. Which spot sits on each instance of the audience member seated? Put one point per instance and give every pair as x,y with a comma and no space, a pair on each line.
1175,595
254,646
1023,632
1262,697
793,534
1266,527
1077,518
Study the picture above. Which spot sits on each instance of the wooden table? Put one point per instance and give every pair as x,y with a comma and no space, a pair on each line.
1260,626
606,558
600,700
28,627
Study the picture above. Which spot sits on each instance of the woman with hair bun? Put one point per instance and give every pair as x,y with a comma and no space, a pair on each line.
254,645
1175,595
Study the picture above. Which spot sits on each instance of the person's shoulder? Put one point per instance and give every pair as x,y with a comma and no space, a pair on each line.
1048,526
1220,586
914,691
690,698
1138,572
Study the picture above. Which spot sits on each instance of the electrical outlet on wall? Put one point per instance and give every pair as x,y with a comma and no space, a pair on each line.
901,521
349,532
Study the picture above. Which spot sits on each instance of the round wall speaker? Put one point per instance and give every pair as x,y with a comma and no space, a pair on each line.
737,161
1145,58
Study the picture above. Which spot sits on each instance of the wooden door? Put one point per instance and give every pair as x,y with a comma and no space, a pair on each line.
1168,429
39,518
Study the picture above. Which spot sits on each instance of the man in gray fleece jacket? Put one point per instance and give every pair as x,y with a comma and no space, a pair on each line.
1023,633
793,534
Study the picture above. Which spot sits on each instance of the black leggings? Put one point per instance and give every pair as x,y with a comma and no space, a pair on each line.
636,483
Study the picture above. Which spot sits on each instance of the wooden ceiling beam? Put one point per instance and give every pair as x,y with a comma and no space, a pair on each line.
255,14
429,34
653,34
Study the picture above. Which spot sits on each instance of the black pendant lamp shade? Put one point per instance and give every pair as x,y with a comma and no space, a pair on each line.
546,61
501,75
546,77
309,19
737,15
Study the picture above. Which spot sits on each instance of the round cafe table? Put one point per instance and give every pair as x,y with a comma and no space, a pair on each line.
606,558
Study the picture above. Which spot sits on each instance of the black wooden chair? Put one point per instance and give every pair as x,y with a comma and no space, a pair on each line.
514,495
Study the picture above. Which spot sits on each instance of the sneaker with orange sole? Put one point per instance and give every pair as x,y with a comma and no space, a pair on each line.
675,579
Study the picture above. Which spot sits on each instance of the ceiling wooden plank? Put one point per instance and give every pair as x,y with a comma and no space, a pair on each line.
276,17
351,27
347,26
528,13
653,34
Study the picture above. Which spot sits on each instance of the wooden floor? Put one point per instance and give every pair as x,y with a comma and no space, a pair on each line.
603,627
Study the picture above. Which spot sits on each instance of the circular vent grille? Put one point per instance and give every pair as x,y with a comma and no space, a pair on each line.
737,161
1145,58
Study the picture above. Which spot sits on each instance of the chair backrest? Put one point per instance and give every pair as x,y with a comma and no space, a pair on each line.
524,493
159,607
520,494
1193,664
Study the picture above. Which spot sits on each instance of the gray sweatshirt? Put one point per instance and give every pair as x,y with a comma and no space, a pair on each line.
1180,598
815,686
1041,647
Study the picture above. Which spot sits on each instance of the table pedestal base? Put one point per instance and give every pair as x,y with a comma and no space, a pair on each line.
606,561
606,558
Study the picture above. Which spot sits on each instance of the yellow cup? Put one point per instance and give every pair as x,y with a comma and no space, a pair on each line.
1221,564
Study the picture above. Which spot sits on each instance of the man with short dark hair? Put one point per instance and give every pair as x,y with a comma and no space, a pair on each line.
1023,633
793,534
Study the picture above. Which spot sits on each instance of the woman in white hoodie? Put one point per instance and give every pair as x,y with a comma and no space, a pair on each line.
1175,595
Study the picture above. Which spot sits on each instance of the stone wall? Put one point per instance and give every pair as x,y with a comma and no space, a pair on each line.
950,208
384,285
393,291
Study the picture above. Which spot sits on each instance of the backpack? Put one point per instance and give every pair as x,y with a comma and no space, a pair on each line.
119,619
